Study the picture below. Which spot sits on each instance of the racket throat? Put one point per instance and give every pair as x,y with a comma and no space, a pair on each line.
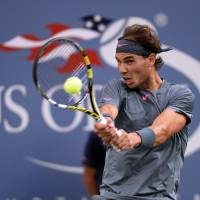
86,111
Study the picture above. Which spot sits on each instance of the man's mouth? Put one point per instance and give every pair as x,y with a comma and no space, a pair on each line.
127,80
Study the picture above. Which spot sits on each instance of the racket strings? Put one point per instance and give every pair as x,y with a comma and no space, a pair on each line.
81,73
69,58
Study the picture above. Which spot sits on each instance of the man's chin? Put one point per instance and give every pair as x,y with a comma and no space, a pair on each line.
132,85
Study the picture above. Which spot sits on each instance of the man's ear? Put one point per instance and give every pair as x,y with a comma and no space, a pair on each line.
152,58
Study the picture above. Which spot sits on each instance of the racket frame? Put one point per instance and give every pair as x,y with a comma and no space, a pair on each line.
95,114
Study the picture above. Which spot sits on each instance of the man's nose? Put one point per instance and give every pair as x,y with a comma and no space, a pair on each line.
122,68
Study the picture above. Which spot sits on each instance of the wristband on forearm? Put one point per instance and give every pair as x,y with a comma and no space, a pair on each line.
147,136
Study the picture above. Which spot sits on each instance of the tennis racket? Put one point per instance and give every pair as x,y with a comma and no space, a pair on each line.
57,60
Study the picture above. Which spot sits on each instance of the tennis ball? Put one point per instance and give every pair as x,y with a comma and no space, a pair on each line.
73,85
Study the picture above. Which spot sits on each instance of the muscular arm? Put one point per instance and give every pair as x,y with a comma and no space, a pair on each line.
169,122
109,109
166,124
104,130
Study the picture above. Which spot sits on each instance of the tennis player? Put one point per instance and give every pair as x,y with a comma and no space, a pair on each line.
152,115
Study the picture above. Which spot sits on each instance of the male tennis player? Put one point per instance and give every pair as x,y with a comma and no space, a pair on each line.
152,115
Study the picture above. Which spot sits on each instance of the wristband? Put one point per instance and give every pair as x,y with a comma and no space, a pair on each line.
147,137
107,115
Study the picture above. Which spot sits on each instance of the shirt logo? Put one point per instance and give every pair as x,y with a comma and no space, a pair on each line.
145,97
107,99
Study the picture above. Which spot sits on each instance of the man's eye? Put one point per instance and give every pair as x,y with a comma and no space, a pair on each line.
129,62
118,62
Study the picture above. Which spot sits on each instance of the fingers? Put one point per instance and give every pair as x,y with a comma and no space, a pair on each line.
116,137
105,122
110,135
124,141
103,130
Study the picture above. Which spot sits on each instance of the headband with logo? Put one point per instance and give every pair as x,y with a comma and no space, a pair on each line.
128,46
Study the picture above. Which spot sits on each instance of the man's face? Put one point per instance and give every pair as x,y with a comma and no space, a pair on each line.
135,70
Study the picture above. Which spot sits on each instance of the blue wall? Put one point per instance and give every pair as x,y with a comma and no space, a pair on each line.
41,147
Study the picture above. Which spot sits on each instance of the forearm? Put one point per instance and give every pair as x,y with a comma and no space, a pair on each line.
109,109
162,134
166,125
153,135
89,181
91,187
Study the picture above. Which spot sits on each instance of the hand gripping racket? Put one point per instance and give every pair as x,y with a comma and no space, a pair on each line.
57,60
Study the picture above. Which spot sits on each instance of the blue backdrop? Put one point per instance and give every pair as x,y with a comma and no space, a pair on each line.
41,147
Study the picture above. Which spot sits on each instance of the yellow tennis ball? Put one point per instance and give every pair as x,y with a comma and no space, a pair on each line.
73,85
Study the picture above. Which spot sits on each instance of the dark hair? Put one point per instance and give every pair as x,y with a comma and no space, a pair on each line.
146,37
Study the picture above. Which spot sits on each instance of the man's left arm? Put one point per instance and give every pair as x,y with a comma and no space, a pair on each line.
166,124
171,121
175,117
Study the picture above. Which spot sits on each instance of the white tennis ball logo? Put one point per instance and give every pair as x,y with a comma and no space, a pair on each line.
73,85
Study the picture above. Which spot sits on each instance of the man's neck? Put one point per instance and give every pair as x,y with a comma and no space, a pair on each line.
154,82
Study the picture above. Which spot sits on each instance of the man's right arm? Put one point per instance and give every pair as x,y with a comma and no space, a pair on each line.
104,130
110,110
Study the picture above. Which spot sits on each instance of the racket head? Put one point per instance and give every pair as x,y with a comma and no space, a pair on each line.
56,61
